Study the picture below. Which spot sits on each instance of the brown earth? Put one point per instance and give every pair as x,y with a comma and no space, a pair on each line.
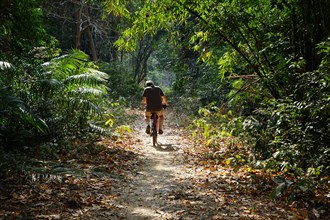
167,186
131,179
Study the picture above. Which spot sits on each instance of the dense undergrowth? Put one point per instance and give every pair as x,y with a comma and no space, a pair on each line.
224,140
286,134
53,104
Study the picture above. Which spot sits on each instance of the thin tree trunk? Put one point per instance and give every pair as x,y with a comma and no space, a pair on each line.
78,23
92,44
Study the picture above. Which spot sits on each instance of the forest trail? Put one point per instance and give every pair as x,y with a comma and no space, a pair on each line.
147,194
165,186
132,180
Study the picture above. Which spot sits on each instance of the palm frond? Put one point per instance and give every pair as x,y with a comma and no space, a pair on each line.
90,77
5,65
73,62
84,105
101,76
50,83
99,129
37,122
67,65
75,89
83,79
89,91
9,101
89,105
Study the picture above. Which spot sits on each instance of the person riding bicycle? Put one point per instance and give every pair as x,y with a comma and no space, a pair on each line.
154,99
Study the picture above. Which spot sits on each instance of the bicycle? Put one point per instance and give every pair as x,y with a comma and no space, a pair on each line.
154,128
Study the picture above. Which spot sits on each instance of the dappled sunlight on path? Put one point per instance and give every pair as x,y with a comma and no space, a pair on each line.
142,197
168,186
128,178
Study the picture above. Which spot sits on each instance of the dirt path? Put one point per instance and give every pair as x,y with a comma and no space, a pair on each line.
146,196
167,187
130,179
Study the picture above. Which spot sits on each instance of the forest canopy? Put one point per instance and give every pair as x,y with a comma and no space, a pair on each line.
266,61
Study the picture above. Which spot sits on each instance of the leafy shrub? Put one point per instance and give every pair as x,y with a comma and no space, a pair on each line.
60,98
121,86
292,133
213,124
18,123
294,130
70,93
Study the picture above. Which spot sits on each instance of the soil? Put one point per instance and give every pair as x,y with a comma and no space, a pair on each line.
147,194
130,179
166,186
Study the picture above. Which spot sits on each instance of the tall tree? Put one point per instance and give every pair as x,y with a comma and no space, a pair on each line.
282,44
82,25
255,31
21,27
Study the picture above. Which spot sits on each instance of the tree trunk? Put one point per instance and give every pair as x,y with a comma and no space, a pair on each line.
140,62
92,44
77,24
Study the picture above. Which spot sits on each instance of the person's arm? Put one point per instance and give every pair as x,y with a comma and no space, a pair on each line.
144,95
164,100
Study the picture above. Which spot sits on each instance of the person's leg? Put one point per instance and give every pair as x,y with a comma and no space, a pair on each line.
161,121
147,118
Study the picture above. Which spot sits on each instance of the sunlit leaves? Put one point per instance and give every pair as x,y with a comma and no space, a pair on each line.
117,7
109,122
77,93
5,65
37,122
227,64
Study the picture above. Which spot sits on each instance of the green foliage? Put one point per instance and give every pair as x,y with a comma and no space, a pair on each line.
122,130
16,118
214,124
21,31
14,164
62,97
121,85
250,38
292,188
294,131
274,53
70,93
21,27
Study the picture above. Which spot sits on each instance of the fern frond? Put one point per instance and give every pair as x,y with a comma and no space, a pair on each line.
8,101
5,65
99,129
83,79
89,91
84,105
68,64
75,88
101,76
50,83
33,120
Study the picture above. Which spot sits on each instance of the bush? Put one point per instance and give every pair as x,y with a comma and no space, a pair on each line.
60,98
294,131
121,86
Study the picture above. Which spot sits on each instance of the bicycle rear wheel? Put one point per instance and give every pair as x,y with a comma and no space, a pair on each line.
154,134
